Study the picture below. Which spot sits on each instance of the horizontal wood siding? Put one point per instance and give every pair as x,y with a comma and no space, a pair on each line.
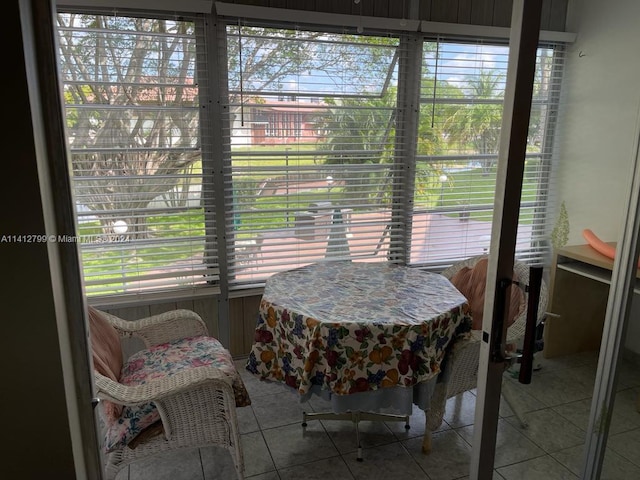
464,11
502,10
207,308
444,11
243,316
557,15
495,13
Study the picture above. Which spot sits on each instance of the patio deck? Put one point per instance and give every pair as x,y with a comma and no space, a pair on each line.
435,239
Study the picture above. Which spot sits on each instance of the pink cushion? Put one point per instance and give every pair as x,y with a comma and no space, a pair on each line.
107,354
472,283
105,345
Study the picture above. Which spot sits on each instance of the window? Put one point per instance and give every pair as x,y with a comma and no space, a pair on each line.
134,130
461,96
335,145
312,131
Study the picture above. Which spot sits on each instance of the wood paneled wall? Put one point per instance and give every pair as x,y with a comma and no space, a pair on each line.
243,313
496,13
206,307
242,318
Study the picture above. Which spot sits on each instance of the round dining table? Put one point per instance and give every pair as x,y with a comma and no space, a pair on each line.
366,336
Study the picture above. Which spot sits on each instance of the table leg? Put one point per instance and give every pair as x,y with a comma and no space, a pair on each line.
356,417
426,442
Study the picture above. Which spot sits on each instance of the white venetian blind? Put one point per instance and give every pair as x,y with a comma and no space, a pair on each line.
311,164
462,91
133,103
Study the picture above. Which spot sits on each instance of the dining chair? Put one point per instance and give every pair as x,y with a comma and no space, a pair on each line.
460,371
179,392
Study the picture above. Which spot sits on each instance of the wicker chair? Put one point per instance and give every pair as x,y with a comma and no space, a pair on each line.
197,405
461,369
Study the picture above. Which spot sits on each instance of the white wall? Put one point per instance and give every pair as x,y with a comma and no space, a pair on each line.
598,126
600,100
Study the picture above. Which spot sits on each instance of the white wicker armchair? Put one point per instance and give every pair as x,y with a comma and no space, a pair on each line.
196,405
461,369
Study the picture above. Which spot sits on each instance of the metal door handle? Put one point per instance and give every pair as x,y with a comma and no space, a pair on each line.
528,348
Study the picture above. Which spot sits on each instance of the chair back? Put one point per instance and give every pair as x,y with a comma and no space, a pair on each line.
521,274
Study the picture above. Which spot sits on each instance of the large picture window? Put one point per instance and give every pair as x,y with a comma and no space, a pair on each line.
461,95
133,121
329,145
312,131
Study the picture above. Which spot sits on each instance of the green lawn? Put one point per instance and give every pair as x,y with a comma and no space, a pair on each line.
106,259
466,188
462,188
255,156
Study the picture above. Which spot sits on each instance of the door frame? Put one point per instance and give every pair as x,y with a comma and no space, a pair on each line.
623,280
523,45
39,41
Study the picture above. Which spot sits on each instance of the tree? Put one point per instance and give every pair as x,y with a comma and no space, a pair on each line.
477,123
542,90
266,61
132,110
360,131
132,114
432,137
357,110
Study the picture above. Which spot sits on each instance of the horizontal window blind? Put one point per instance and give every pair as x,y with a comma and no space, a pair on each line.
132,102
461,102
311,166
316,161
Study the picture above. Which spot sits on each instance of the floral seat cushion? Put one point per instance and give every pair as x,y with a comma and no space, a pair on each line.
161,361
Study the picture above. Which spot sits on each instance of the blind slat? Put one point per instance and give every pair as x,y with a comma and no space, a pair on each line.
461,94
312,160
311,170
132,102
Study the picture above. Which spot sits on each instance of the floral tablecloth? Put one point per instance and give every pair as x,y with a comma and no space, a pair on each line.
352,327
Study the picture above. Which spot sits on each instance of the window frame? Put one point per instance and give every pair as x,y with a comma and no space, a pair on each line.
192,280
216,160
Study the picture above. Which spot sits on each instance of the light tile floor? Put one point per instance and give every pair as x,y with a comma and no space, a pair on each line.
557,403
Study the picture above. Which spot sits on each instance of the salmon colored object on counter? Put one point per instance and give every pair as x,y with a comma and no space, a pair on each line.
602,247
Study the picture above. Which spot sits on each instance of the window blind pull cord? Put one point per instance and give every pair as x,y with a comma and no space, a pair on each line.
241,79
435,84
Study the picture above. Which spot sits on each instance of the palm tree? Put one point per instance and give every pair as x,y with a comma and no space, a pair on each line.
476,124
361,131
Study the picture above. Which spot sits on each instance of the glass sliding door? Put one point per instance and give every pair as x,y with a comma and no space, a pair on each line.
623,435
613,437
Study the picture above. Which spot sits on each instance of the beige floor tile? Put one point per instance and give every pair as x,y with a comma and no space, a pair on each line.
615,467
556,405
546,468
449,458
330,468
175,465
291,445
257,459
549,430
511,445
387,462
